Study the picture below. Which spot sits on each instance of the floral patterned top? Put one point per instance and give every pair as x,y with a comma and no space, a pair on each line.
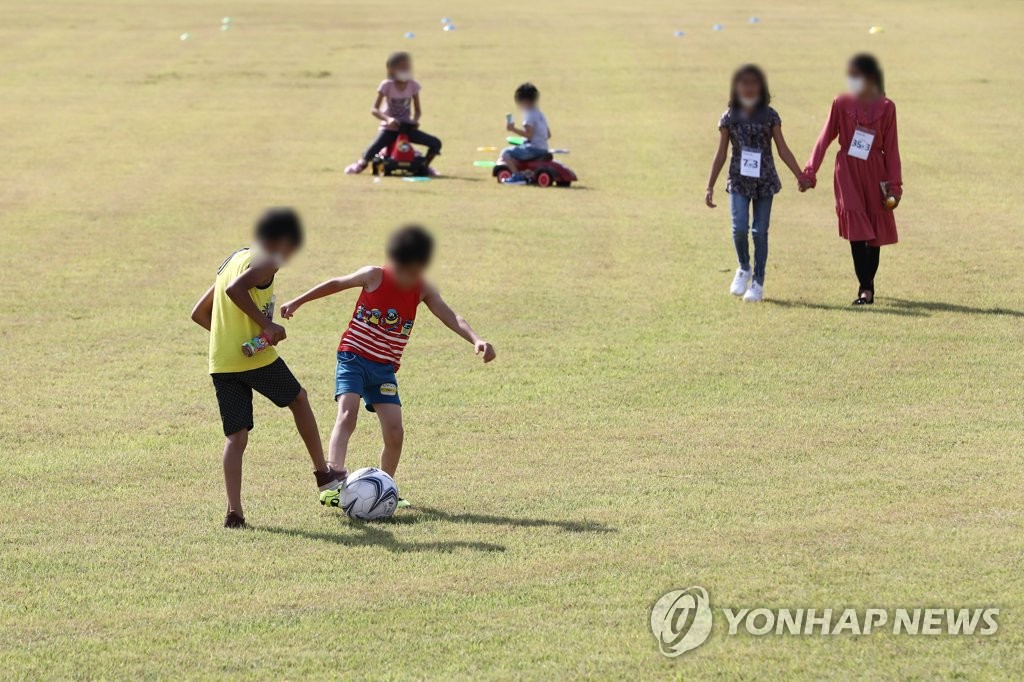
752,132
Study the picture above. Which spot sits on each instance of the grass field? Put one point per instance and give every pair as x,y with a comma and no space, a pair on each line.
641,430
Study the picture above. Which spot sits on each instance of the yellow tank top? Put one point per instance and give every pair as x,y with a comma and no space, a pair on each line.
231,327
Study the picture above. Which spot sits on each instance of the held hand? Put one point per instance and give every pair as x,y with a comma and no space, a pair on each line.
892,202
289,309
392,124
709,199
510,126
275,333
485,348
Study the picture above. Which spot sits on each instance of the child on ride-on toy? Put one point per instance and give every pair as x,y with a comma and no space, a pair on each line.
535,130
399,111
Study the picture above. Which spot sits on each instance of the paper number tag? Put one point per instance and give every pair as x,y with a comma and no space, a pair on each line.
860,145
750,163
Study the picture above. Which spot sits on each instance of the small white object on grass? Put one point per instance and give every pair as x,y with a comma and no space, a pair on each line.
225,27
226,20
449,27
678,34
876,30
185,36
410,34
717,27
755,20
445,20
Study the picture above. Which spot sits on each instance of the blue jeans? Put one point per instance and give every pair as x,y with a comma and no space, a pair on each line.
741,225
523,152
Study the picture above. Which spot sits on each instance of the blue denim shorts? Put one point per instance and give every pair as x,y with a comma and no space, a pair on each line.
375,382
524,152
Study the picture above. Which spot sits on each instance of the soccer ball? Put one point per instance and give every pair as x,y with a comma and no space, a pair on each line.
369,495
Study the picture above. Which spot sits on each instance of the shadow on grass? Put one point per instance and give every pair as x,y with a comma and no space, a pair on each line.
377,533
926,307
462,178
430,514
861,309
900,306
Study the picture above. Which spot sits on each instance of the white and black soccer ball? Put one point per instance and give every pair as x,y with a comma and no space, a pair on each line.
369,495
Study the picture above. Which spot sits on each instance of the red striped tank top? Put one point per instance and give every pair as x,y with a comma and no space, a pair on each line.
382,321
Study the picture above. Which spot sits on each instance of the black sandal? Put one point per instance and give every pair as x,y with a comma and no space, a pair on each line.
864,300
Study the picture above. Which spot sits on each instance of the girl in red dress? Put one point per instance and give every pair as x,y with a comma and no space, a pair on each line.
868,181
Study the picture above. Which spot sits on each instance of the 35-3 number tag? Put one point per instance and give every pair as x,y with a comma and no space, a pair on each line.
750,163
860,145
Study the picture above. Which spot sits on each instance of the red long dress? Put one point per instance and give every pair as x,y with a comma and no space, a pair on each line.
860,203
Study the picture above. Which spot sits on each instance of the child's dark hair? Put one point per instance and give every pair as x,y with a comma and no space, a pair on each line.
396,58
527,92
411,245
280,223
868,65
749,70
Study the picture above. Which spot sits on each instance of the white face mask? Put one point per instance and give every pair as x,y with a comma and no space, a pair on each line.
855,84
403,76
749,102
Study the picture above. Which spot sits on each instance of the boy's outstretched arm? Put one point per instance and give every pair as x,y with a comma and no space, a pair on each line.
238,291
368,277
456,323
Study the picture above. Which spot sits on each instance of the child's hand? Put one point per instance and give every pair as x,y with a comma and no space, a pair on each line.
510,126
392,124
289,309
709,199
485,348
275,333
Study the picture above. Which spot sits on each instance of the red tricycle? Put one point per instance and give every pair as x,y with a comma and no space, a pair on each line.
401,158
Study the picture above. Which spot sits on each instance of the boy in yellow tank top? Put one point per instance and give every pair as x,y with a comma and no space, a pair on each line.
236,309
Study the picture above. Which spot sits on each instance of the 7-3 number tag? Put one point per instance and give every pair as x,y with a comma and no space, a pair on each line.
860,145
750,163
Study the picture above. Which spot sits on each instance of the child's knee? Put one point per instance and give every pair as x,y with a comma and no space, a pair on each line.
238,439
301,400
394,434
347,417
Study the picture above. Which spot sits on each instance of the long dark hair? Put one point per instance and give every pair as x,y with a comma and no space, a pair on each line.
749,70
868,65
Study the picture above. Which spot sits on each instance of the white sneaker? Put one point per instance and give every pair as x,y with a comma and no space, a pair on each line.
739,282
754,294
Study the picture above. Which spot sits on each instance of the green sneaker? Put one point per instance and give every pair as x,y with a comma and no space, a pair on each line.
330,483
331,498
402,502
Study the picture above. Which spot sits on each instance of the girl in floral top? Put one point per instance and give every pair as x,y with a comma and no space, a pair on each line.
750,125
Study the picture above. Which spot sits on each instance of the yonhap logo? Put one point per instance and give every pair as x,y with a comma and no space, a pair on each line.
681,620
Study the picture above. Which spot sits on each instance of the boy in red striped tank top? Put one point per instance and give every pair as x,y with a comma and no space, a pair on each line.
371,347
